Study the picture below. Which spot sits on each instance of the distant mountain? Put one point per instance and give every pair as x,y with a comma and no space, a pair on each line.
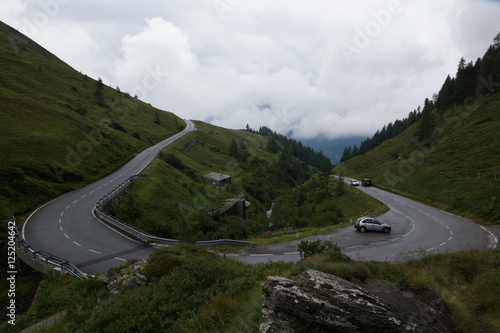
333,149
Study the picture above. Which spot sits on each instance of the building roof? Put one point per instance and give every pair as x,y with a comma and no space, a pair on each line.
216,176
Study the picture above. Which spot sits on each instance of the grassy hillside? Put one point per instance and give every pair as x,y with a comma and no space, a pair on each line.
173,200
457,170
307,206
60,129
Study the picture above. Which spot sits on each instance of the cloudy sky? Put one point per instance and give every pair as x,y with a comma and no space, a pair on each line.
330,68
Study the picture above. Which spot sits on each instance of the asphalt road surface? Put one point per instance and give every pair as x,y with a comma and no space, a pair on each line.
66,227
417,230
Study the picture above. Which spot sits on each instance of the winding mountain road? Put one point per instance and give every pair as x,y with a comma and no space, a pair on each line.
66,227
417,230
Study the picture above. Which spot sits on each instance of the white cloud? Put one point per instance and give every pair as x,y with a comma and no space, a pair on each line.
11,10
75,46
280,63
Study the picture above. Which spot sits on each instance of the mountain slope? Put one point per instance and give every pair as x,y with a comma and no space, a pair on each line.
457,169
60,129
173,200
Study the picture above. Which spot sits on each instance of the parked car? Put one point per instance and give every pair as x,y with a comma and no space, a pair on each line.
366,182
354,182
366,223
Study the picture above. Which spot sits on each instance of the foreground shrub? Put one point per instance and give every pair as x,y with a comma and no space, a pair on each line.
318,246
195,291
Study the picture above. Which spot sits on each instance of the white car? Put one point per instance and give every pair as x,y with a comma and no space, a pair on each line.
354,182
367,223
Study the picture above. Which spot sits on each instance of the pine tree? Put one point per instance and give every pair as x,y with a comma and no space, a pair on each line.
233,149
98,92
355,151
346,155
324,174
490,64
445,95
272,145
426,126
243,153
465,82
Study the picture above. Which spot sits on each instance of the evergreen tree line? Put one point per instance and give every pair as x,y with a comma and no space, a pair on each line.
471,79
388,131
280,143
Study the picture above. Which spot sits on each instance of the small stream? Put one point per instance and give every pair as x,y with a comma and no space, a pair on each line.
270,211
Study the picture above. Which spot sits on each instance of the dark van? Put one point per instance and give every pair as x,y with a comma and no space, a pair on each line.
366,182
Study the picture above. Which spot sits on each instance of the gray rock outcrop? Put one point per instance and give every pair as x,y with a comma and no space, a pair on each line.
318,302
129,277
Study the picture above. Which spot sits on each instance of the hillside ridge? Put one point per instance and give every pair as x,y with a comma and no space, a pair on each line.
456,170
61,129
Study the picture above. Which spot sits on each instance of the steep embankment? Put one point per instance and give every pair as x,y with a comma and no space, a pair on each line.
458,169
60,129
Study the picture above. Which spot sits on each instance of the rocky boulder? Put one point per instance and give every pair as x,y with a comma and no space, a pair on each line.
318,302
128,277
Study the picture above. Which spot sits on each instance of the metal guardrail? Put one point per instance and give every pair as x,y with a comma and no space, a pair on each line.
138,234
224,242
149,239
45,258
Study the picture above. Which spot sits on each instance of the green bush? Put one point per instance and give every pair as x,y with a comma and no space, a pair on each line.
163,262
195,291
318,246
117,126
